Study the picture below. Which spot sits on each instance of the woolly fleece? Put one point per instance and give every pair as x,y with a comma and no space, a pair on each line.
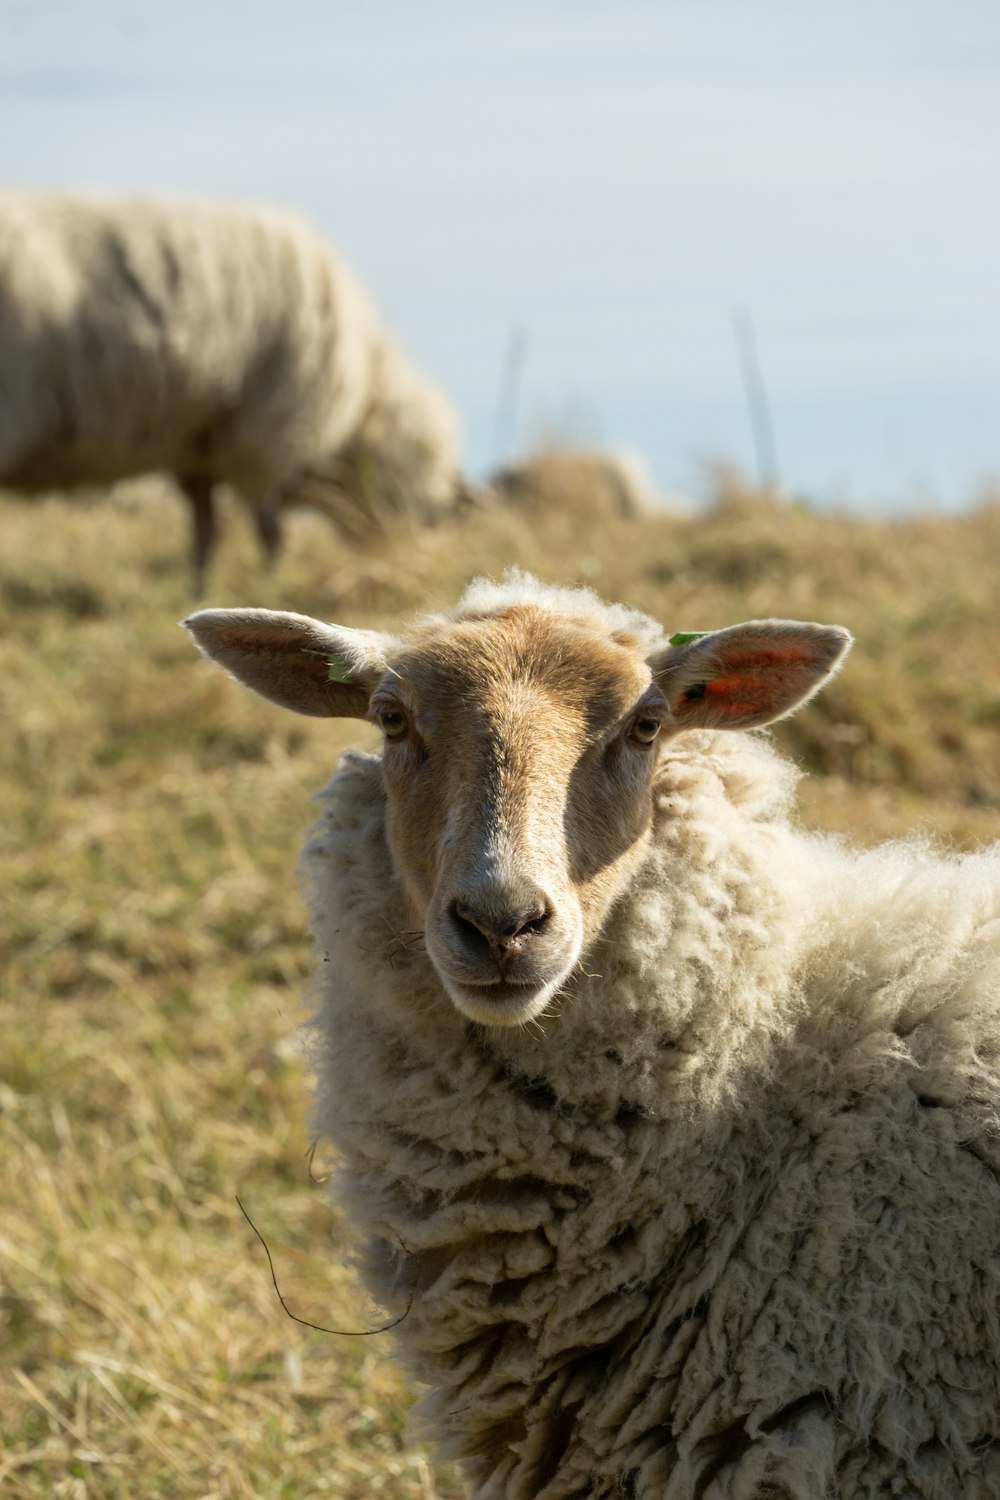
726,1226
223,341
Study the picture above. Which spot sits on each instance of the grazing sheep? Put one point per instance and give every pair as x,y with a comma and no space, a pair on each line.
214,341
675,1141
613,482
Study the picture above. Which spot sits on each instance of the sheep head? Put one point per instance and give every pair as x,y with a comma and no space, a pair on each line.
518,762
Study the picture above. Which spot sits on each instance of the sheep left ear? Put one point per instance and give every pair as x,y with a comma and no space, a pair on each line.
747,675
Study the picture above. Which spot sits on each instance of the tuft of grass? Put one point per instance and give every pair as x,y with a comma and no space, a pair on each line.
154,951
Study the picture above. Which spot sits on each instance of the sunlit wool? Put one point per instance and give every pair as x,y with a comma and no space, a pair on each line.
723,1223
217,342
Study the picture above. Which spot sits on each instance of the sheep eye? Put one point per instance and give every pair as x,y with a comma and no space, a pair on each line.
645,729
392,722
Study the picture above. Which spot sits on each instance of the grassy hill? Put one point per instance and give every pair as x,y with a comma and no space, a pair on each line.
154,960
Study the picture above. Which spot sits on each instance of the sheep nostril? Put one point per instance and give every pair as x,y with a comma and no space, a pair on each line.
528,921
499,936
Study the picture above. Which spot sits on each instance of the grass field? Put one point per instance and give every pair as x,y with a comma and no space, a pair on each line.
154,958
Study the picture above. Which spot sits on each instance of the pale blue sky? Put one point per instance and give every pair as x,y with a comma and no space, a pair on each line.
613,178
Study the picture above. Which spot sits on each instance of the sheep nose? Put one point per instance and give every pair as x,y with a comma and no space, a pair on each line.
502,935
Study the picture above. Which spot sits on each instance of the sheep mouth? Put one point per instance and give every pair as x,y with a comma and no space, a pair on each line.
500,1002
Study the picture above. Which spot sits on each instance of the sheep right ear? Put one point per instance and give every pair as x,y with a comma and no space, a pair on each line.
294,661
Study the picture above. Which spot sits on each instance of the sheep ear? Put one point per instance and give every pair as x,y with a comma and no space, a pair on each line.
747,675
296,662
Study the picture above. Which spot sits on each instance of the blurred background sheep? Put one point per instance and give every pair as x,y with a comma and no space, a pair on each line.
613,482
217,342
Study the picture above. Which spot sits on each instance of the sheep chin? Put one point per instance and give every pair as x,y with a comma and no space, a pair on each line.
502,1004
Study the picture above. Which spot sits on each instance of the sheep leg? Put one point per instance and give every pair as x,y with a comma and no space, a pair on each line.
267,519
201,493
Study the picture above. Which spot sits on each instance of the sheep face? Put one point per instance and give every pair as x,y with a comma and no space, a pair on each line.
518,765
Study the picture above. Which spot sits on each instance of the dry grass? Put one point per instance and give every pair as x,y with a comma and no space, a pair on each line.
154,956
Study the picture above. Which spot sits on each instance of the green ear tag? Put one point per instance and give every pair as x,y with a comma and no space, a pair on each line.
336,671
683,636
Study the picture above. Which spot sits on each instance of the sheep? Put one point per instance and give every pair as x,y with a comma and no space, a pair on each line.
669,1131
613,482
218,342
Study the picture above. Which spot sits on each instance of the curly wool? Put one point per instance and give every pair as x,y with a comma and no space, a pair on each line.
581,606
725,1225
212,339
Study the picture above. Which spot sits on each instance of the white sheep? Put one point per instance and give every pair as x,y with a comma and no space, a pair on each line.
613,481
677,1133
218,342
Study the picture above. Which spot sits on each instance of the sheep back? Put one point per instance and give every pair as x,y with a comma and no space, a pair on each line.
207,339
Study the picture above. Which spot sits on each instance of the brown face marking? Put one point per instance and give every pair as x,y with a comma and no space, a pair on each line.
517,796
